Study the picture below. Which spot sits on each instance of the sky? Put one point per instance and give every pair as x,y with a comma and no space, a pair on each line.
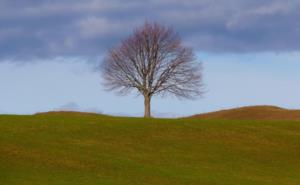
50,52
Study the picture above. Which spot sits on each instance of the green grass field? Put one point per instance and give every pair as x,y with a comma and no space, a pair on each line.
79,149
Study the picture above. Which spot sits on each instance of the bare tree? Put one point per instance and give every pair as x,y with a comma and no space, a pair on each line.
153,61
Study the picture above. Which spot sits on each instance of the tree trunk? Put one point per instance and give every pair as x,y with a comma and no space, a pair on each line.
147,102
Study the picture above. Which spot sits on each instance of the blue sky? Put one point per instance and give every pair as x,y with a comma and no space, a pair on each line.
250,51
231,80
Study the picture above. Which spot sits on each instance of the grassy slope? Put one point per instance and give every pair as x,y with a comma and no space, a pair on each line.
253,113
89,149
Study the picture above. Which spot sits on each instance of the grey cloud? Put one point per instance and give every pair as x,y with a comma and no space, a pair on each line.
86,28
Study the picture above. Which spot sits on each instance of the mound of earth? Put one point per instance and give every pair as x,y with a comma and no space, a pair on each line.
253,113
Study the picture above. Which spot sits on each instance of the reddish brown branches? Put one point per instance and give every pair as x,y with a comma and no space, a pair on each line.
153,61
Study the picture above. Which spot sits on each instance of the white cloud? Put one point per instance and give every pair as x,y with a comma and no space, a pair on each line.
245,18
96,26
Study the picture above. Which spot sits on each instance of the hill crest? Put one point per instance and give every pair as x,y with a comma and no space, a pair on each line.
263,112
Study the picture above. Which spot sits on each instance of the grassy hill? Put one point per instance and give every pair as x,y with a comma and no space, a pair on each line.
88,149
253,113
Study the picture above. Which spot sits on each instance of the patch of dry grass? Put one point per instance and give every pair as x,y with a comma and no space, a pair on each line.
253,113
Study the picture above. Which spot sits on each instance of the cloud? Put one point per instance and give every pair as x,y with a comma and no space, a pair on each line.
86,28
96,27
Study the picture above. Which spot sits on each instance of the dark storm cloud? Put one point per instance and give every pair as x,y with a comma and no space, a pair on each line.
85,28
